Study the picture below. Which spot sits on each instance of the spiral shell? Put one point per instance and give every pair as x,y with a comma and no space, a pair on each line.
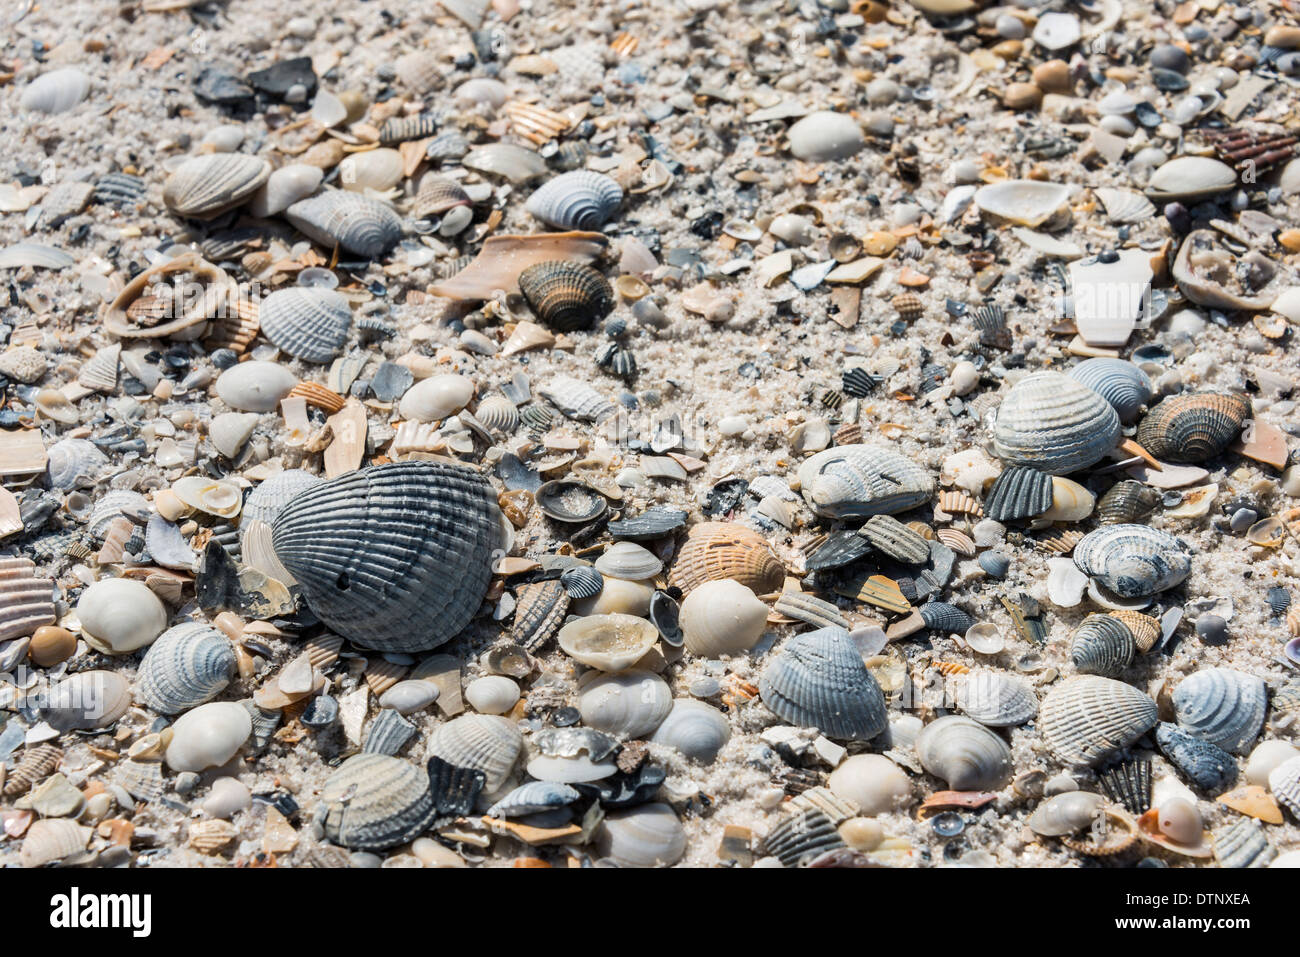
1118,381
566,295
308,322
964,753
1206,765
630,704
648,835
340,218
1019,492
577,400
1087,719
206,186
860,480
374,802
818,680
1192,427
1133,561
1102,645
1054,424
1126,503
581,199
724,550
481,742
189,664
1222,706
995,699
697,730
74,462
395,557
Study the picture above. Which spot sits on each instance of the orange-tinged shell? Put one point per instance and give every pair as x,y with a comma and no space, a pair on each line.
1145,629
1194,427
717,550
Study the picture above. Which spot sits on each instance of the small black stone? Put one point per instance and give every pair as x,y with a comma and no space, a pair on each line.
277,79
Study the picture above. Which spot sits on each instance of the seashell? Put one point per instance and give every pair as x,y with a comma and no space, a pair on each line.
807,608
1242,843
1019,492
388,733
1087,719
208,736
1206,765
220,298
498,414
514,163
1071,502
1133,561
86,701
697,730
503,258
269,498
308,322
189,664
577,400
437,195
1128,782
373,802
572,502
941,616
209,837
581,199
1192,427
1222,706
437,397
818,680
204,187
1126,503
1145,629
399,129
964,753
1108,294
613,642
379,170
1284,785
665,614
996,699
583,582
629,562
492,694
1102,645
566,296
358,223
1025,202
120,615
1066,813
35,255
802,837
53,840
1119,382
395,557
55,92
99,372
451,145
112,505
824,136
1210,273
1055,424
724,550
722,617
540,608
985,638
481,742
1190,177
535,797
26,602
887,534
284,187
1124,205
255,386
861,480
630,704
36,764
73,463
648,835
220,498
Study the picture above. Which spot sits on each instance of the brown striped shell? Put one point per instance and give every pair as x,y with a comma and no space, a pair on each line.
1194,427
437,195
717,550
1145,629
566,295
35,765
1126,502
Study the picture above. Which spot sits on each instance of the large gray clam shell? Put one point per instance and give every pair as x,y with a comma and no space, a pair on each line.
581,199
186,666
1087,719
1118,381
374,802
860,480
1222,706
206,186
819,681
308,322
1054,424
1133,561
395,557
964,753
341,218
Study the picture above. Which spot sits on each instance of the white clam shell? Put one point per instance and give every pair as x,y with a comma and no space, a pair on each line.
379,170
629,562
1050,422
825,136
965,754
1190,177
873,782
580,199
340,218
120,615
697,730
255,386
208,736
1025,202
648,835
55,92
228,431
436,398
630,704
498,414
862,480
51,840
514,163
483,742
307,322
1067,813
996,699
86,701
1125,205
722,618
492,694
285,187
203,187
609,642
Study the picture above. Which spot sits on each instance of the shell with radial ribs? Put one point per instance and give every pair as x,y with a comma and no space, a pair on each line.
374,802
395,557
1087,719
1284,783
964,753
1222,706
995,699
1019,492
308,322
1052,423
818,680
576,400
481,742
1133,561
1193,427
581,199
26,601
1118,381
717,550
358,223
850,481
74,462
206,186
1126,502
566,296
187,665
498,414
438,194
1102,645
540,608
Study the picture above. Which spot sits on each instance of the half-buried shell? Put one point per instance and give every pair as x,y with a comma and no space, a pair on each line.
481,742
1118,381
1019,492
206,186
995,699
566,295
374,802
818,680
308,322
1193,427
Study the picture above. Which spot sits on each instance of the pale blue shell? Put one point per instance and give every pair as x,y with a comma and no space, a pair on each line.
188,665
357,223
1133,561
308,322
819,681
1054,424
582,199
1118,381
1222,706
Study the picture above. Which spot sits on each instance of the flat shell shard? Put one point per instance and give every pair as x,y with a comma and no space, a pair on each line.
1242,843
1087,719
799,838
890,536
1019,492
388,733
1023,201
1108,295
810,609
862,480
503,258
1125,206
374,802
1193,427
839,549
1133,561
395,557
876,590
818,680
1128,783
1051,422
455,790
1222,706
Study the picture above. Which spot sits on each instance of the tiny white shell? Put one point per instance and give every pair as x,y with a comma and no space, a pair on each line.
492,694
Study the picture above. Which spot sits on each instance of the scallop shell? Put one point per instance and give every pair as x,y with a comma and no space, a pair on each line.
1025,202
533,798
379,170
373,802
358,223
1066,813
818,680
629,562
207,186
722,618
995,699
1192,427
720,550
887,534
577,400
1211,274
26,602
498,414
540,608
1102,645
1190,177
802,837
860,480
189,664
143,780
1133,561
695,729
583,582
1284,784
1019,492
308,322
1118,381
86,701
1206,765
1222,706
74,462
53,840
1126,503
99,372
1242,843
55,92
630,704
437,195
566,296
611,642
1125,205
1055,424
395,557
482,742
581,199
964,753
648,835
941,616
1087,719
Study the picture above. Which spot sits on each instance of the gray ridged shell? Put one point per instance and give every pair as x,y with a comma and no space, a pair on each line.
819,681
269,498
187,665
1222,706
374,802
1192,427
889,535
74,462
1055,424
582,199
582,582
206,186
566,295
577,400
1019,492
996,699
395,557
1126,502
994,563
388,733
357,223
860,480
1242,843
802,837
808,608
1206,765
437,195
941,616
534,797
112,504
1133,561
964,753
498,414
399,129
1087,719
1102,645
540,608
655,522
308,322
1118,381
699,731
482,742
